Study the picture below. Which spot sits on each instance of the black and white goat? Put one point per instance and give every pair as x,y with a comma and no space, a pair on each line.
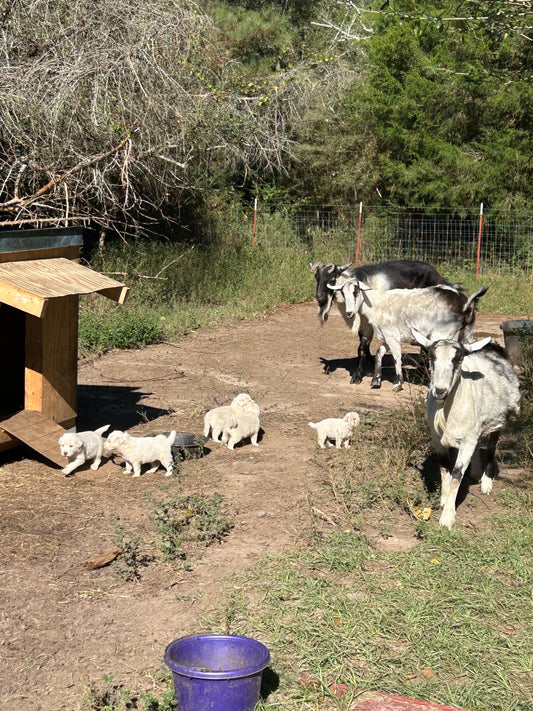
473,390
441,311
399,274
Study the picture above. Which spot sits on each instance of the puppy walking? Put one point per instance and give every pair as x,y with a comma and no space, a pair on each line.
79,447
216,419
238,428
137,451
336,428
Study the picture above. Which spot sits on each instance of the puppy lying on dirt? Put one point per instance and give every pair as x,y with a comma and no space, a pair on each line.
216,418
79,447
241,427
137,451
336,428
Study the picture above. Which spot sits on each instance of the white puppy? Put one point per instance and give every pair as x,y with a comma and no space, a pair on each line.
239,427
78,447
137,451
336,428
216,418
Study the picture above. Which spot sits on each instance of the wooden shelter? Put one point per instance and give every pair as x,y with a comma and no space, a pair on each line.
40,284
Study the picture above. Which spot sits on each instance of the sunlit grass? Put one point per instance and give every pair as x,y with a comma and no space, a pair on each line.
176,288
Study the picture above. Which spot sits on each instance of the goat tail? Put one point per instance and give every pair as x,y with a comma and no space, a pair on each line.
101,430
469,309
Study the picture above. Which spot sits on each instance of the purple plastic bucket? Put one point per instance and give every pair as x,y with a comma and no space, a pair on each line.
215,672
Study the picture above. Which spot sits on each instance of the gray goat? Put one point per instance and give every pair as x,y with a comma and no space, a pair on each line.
473,390
398,274
441,311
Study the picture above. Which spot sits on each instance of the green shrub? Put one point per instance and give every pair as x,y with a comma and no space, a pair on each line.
118,327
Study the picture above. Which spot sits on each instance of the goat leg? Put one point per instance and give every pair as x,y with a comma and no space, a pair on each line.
490,470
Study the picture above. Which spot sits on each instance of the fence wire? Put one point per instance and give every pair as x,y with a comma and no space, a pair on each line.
371,234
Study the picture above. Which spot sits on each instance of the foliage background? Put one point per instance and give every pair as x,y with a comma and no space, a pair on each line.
144,118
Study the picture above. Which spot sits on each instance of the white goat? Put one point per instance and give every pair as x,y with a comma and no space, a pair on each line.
398,274
472,391
440,311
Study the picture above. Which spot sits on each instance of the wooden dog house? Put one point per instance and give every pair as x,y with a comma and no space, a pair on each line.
40,284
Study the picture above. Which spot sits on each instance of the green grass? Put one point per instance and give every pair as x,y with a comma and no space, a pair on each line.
451,619
176,289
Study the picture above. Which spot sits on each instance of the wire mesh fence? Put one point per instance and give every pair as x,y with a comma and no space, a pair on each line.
371,234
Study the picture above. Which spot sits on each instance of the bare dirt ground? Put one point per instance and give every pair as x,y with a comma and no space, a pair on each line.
62,625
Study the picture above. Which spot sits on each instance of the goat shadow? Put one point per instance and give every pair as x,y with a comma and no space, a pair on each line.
414,367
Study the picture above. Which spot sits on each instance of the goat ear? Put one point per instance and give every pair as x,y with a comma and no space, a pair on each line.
363,286
420,338
477,345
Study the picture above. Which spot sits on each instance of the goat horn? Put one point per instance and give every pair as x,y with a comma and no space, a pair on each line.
314,266
330,267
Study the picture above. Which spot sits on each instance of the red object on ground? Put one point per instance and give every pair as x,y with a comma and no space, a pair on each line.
380,701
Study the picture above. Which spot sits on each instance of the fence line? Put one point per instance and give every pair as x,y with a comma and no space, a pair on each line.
472,238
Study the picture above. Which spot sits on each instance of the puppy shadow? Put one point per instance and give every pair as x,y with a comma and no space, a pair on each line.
246,442
119,406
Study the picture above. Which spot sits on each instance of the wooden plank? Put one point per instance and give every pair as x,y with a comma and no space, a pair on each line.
52,360
38,432
53,278
381,701
22,298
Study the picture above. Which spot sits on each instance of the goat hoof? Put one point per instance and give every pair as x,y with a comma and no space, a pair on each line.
397,387
375,384
356,379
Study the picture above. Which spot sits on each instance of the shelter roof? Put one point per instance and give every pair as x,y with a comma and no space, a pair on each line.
29,285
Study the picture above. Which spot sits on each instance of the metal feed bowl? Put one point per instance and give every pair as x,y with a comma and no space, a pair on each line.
187,445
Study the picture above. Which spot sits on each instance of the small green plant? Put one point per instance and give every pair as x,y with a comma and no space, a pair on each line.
110,696
130,558
196,517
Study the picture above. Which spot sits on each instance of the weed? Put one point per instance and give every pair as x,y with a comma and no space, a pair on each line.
195,517
110,696
130,557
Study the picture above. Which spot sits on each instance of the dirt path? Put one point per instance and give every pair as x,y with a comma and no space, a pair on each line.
62,625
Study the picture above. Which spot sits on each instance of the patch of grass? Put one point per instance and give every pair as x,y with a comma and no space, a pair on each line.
177,288
508,293
385,471
104,326
130,558
449,620
110,696
196,517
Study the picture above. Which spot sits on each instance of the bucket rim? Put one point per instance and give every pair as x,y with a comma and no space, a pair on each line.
252,670
518,326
